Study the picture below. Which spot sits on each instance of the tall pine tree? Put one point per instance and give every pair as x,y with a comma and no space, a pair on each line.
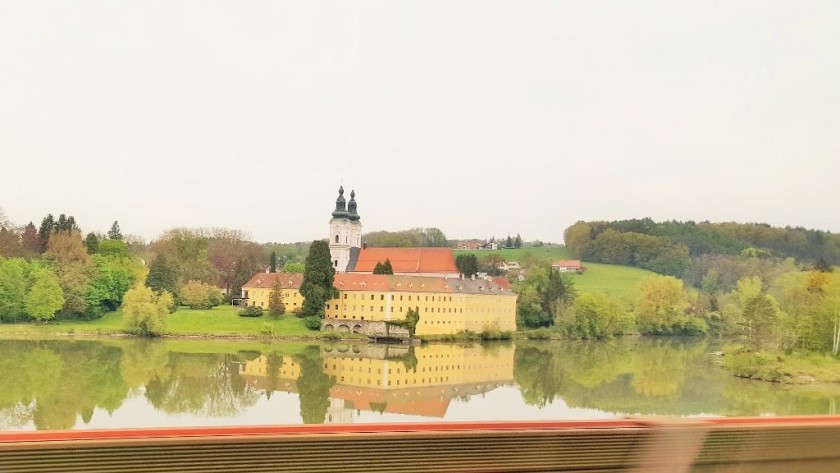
318,277
114,233
162,276
45,230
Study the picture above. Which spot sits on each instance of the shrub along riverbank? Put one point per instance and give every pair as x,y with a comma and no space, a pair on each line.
221,321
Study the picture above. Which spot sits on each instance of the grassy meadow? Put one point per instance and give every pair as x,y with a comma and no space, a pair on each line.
619,281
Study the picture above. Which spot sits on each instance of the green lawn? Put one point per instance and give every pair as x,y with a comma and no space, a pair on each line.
219,321
620,281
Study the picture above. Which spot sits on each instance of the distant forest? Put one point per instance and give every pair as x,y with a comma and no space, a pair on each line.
670,247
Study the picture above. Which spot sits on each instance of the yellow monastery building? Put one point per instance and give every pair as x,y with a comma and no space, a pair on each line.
424,279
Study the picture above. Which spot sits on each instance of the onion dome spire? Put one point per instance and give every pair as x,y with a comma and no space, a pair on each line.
340,211
352,214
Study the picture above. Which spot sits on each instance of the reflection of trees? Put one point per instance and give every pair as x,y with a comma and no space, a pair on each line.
273,365
660,376
313,386
203,384
51,382
144,359
539,374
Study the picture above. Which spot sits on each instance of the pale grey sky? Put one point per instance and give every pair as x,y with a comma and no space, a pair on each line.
479,117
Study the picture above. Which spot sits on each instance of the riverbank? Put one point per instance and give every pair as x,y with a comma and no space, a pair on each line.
794,368
218,322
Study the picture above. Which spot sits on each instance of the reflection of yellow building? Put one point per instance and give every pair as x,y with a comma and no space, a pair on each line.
367,379
445,305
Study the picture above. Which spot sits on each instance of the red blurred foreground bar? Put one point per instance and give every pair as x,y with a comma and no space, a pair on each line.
765,444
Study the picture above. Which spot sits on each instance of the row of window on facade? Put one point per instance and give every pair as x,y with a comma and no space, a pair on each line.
382,297
441,379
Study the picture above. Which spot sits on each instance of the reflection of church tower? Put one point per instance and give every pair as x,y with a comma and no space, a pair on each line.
345,230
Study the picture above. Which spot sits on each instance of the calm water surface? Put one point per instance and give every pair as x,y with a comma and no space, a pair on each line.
73,384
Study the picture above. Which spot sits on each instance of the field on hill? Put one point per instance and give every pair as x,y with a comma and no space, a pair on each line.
620,281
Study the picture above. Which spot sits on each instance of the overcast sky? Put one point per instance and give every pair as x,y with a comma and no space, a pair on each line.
478,117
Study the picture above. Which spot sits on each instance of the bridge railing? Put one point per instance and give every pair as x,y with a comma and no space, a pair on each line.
782,444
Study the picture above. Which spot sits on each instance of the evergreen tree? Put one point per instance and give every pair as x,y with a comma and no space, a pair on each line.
61,224
383,268
44,232
272,262
30,240
822,266
275,300
509,242
114,233
557,293
517,242
162,276
467,265
318,277
92,243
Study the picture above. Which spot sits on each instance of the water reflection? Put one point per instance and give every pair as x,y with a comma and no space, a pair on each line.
381,378
62,384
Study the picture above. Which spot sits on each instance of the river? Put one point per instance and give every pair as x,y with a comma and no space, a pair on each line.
119,383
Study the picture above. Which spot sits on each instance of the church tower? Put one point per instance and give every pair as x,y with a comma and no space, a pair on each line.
345,231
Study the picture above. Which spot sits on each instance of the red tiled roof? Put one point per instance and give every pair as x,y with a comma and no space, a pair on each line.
408,260
567,263
266,280
384,283
502,281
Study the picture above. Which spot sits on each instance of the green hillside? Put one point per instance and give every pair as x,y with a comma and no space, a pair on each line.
620,281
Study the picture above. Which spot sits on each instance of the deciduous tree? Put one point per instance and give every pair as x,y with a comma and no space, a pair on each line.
660,305
10,244
73,266
199,295
145,311
14,274
45,297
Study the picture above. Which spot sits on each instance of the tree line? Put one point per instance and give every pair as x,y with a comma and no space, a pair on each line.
666,247
411,238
